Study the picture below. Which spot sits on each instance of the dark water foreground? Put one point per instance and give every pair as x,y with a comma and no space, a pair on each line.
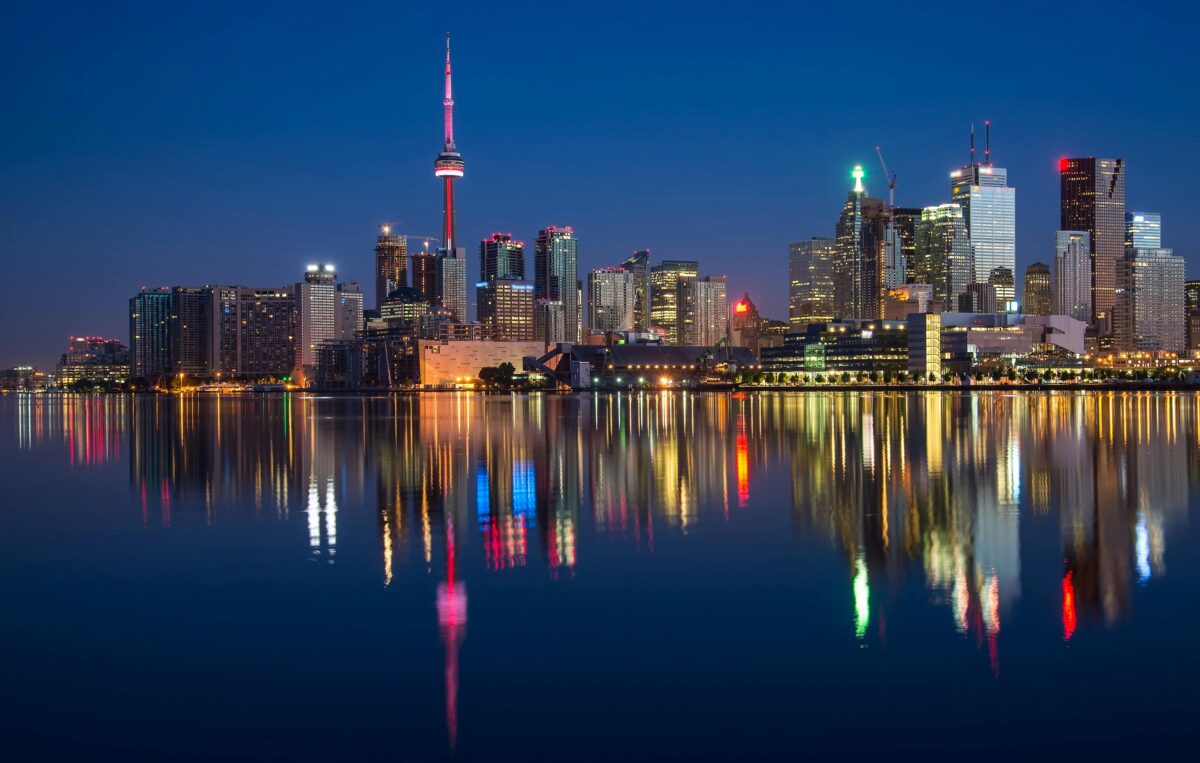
772,575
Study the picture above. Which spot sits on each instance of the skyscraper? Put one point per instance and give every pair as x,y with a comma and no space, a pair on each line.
349,319
703,310
424,274
611,298
1039,292
1093,201
449,164
1002,280
501,257
943,257
1073,274
1191,301
556,274
268,324
989,212
452,281
316,312
549,321
391,263
639,265
149,333
664,295
858,262
189,332
1151,306
1143,230
810,282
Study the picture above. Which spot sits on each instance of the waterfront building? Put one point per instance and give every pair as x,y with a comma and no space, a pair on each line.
93,360
501,257
349,317
149,333
189,334
1038,296
1073,274
664,294
1093,201
858,255
267,332
638,264
391,263
505,309
1143,230
556,275
703,310
451,364
1150,314
943,257
811,296
316,313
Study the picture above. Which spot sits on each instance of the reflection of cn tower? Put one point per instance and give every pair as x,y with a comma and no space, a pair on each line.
452,625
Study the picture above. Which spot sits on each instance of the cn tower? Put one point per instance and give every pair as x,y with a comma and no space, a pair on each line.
449,164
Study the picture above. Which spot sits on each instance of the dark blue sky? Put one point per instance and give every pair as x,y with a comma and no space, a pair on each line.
173,143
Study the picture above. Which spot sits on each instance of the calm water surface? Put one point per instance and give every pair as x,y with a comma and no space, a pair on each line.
610,577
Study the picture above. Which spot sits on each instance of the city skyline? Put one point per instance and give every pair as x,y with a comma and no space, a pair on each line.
251,217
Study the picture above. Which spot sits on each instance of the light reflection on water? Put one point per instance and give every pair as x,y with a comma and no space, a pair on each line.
940,490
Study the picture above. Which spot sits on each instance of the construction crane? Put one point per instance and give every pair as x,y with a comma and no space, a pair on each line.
890,259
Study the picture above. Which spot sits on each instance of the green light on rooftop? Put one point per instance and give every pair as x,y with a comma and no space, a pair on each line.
858,178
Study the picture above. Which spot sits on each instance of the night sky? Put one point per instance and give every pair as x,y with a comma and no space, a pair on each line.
173,143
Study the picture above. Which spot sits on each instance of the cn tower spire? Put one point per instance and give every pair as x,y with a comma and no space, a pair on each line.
449,165
448,102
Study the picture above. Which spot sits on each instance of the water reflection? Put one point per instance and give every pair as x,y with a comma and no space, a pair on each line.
928,487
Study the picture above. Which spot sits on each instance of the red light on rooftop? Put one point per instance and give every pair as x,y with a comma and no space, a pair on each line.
1063,163
741,307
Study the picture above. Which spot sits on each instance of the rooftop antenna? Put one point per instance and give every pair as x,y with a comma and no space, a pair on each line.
987,142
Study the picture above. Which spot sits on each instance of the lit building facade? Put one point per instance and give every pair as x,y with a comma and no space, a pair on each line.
505,308
1073,274
638,264
424,274
149,333
501,257
316,313
190,330
391,263
1038,294
1093,200
452,282
349,311
858,278
703,310
1151,308
612,297
810,282
664,294
1002,280
549,320
989,213
267,332
556,275
1143,230
943,257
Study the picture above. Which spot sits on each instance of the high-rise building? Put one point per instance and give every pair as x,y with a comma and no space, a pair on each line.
989,212
501,257
1191,301
556,274
1150,313
1002,280
391,263
906,229
810,282
404,312
611,297
639,265
225,326
1143,230
943,257
424,274
703,305
316,313
349,319
549,320
664,295
858,262
1093,201
505,309
1039,292
268,331
149,333
189,332
452,282
1191,293
1073,274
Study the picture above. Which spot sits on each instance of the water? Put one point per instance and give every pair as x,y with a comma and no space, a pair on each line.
598,577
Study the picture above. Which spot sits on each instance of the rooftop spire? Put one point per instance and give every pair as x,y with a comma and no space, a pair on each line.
448,102
857,174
